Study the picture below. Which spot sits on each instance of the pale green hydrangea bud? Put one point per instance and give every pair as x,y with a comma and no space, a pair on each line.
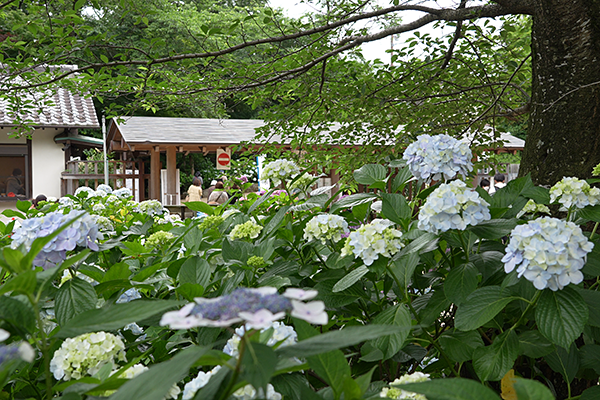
249,229
396,393
532,207
159,239
256,261
211,221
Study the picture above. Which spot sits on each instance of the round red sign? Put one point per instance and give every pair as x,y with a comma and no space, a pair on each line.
223,159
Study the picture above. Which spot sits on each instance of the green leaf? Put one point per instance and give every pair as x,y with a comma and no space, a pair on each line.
195,270
401,179
338,339
395,208
460,283
370,173
534,344
17,313
12,260
451,389
260,200
592,299
258,364
23,205
190,291
491,363
236,250
391,344
528,389
404,268
352,200
592,393
275,221
329,365
23,283
74,297
590,357
200,206
564,362
480,307
350,279
561,315
117,272
155,383
115,316
337,299
459,346
494,228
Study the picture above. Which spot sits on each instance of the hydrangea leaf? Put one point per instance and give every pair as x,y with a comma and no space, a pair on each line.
352,200
480,307
350,279
460,283
528,389
564,362
459,346
391,344
592,299
258,364
592,393
395,208
451,389
491,363
74,297
200,206
534,345
195,270
370,173
561,315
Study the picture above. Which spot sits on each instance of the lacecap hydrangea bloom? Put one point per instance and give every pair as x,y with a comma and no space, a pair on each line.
325,227
434,157
370,241
83,232
257,308
452,206
397,393
248,229
279,170
85,355
548,251
573,192
532,207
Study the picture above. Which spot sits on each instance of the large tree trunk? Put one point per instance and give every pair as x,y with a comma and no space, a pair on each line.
564,126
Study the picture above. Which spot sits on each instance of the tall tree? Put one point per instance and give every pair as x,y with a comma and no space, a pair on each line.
313,68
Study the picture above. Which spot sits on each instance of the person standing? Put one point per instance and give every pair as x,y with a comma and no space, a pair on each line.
219,195
195,190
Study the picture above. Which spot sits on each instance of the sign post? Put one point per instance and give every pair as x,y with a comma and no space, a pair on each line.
224,159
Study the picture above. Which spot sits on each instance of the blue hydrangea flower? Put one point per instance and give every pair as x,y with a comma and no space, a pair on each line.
452,206
434,157
548,252
372,240
83,232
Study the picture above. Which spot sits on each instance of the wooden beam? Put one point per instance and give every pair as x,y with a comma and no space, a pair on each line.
172,172
155,175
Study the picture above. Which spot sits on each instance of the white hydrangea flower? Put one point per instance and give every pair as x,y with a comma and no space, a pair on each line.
431,157
105,224
372,240
396,393
229,212
151,207
103,190
85,355
98,207
325,227
123,192
548,251
452,206
303,182
279,170
533,207
573,192
85,192
281,333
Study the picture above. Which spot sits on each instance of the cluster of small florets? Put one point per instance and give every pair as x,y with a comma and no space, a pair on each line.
303,182
173,219
83,232
257,308
533,208
549,252
248,229
396,393
14,351
280,334
85,192
279,170
434,157
372,240
152,207
123,193
103,190
452,206
105,224
573,192
211,221
85,355
326,227
159,239
255,261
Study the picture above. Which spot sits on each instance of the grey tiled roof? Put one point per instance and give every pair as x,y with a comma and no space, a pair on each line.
186,130
58,108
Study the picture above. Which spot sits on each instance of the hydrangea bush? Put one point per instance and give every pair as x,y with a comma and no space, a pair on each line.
438,290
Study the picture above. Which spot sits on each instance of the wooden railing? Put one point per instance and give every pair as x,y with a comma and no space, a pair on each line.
91,173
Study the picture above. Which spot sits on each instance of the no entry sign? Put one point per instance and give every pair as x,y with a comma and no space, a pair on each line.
223,159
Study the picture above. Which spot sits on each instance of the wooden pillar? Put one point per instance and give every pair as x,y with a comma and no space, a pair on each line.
172,173
155,173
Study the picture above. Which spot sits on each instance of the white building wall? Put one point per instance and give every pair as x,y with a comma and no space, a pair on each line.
47,163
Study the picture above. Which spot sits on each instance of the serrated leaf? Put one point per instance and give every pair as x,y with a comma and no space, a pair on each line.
561,315
528,389
460,283
74,297
480,307
534,344
451,389
590,357
491,363
389,345
350,279
459,346
564,362
370,173
258,364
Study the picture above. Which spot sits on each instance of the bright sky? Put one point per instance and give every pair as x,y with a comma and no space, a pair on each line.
375,49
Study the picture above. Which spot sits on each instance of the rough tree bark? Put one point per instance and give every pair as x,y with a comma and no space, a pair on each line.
564,125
